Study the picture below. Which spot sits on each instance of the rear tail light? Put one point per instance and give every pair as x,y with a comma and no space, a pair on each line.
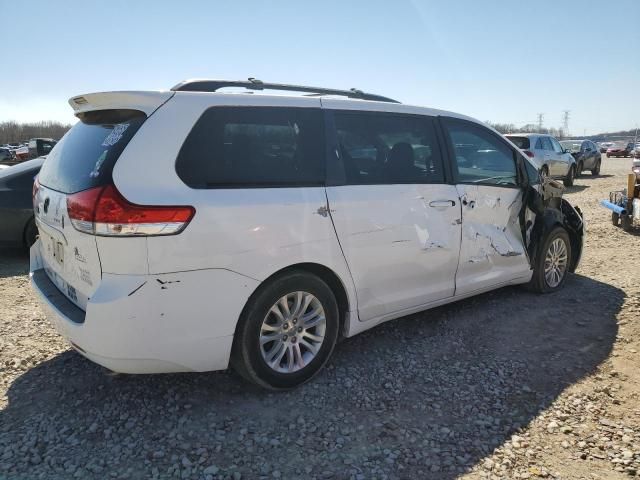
34,190
104,211
528,153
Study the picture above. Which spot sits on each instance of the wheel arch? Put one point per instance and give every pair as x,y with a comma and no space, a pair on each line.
570,220
326,274
25,231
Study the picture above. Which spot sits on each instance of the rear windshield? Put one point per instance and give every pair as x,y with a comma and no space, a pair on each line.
571,146
520,142
85,156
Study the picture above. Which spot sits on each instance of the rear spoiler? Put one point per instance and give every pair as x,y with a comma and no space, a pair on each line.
147,102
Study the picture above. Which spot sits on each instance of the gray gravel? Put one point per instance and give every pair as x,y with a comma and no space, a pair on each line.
505,385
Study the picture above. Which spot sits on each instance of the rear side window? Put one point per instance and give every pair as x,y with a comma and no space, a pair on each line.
378,148
521,142
232,147
85,156
546,143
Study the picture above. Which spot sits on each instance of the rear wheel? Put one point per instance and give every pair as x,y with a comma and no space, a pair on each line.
626,222
287,332
552,262
595,171
568,180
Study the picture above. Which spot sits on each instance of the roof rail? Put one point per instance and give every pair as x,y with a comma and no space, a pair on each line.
255,84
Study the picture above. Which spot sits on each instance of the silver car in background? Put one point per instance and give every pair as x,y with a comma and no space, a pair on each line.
548,155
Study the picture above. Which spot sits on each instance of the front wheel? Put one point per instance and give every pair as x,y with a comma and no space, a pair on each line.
579,169
568,180
286,332
595,171
552,262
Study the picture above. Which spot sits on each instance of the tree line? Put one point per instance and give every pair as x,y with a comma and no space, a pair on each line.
559,133
11,131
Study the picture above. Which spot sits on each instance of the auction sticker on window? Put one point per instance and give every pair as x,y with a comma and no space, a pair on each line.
115,135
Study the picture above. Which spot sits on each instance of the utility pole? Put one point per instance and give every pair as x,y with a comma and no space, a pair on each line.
565,122
540,120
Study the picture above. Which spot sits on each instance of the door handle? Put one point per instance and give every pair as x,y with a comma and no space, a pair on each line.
442,203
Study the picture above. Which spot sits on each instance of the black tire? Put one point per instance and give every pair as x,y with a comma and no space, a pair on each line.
538,282
579,169
568,180
595,171
246,356
30,233
626,222
615,219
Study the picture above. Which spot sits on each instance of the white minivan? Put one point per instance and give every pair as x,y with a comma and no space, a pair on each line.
190,229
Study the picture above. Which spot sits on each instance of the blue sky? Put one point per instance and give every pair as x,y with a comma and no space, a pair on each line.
503,61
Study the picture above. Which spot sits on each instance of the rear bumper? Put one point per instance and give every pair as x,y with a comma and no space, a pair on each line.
150,323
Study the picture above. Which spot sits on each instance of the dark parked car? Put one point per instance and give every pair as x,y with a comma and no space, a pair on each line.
16,206
5,154
586,154
39,147
623,150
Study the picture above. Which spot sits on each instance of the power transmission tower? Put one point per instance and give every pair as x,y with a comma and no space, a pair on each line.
565,121
540,120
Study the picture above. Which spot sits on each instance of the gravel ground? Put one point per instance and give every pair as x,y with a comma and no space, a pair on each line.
505,385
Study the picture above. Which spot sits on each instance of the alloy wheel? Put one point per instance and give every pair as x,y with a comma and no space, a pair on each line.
555,262
292,332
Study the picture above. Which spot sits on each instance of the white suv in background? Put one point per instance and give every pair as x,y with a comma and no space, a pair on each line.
548,155
183,230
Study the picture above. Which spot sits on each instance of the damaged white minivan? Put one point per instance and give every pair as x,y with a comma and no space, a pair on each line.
190,229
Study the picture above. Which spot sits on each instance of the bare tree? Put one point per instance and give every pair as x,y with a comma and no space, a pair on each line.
11,131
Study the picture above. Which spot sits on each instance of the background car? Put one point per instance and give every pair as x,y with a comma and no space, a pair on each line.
16,206
547,154
620,150
586,154
39,147
5,154
604,146
22,153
